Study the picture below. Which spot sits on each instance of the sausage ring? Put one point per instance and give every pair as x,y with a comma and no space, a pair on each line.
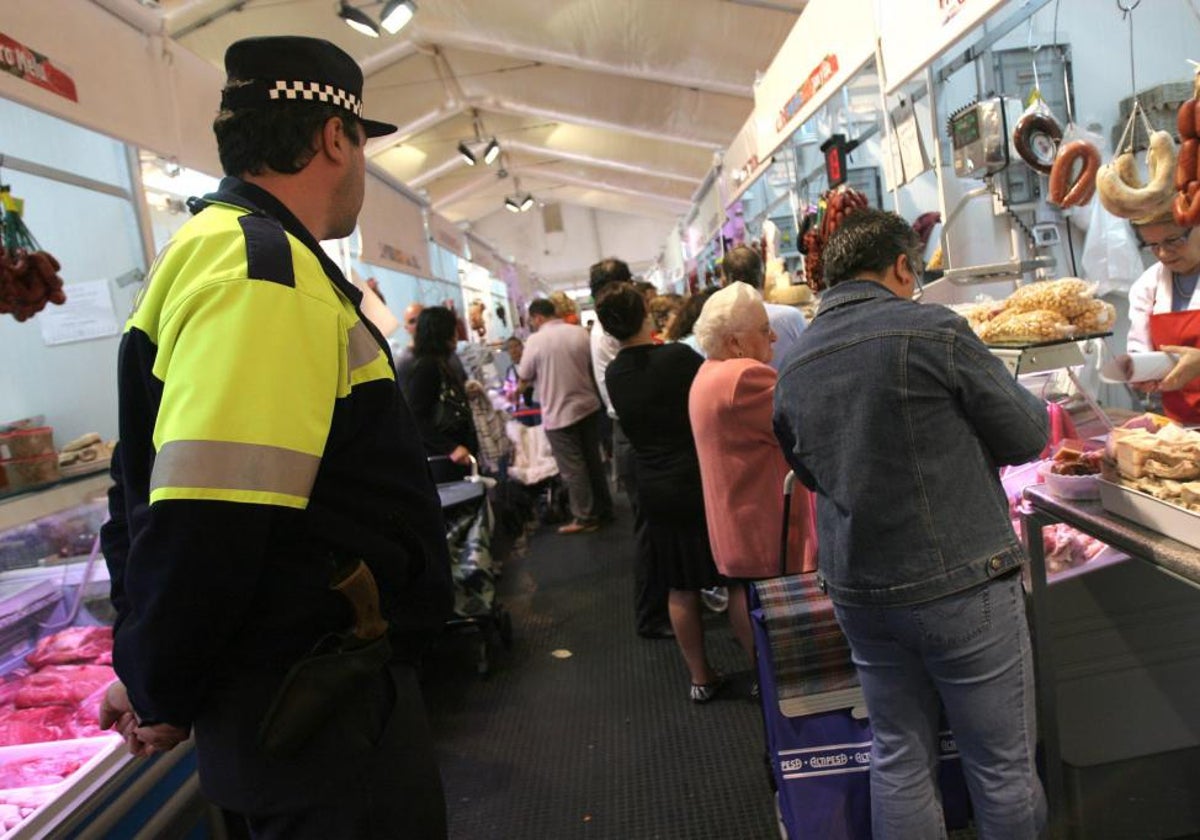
1036,137
1066,188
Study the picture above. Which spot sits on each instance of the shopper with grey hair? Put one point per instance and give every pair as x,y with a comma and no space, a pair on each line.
743,265
897,417
741,465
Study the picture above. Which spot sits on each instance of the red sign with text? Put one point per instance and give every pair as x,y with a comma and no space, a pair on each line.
816,80
35,68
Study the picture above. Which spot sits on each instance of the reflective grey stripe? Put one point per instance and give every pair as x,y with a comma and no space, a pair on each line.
364,349
221,465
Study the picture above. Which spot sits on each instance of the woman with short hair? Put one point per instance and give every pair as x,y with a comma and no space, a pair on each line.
741,464
648,384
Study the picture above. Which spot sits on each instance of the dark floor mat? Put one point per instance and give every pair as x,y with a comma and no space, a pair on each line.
603,743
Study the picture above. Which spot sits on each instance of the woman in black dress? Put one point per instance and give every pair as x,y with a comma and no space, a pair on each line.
437,395
649,386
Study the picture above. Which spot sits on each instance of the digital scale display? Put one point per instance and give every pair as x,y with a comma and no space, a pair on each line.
965,128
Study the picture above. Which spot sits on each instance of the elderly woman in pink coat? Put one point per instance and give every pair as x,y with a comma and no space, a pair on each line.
741,465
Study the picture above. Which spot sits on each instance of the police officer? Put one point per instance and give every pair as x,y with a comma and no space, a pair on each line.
265,449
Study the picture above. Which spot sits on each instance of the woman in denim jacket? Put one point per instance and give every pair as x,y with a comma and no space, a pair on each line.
898,417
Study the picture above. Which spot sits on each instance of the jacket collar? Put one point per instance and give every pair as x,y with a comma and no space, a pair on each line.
853,291
256,200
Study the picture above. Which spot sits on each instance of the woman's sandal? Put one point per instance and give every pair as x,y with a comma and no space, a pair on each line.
707,691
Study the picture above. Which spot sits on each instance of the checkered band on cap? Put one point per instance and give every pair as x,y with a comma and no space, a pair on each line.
317,92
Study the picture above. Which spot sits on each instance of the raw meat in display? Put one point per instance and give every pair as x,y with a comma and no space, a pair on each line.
74,645
36,771
63,685
32,726
1065,547
86,722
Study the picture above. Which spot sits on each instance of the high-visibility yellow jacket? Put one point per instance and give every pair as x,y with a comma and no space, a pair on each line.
262,440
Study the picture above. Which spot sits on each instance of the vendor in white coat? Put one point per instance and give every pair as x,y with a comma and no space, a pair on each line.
1164,310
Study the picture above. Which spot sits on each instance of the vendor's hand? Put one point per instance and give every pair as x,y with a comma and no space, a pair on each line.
158,737
473,388
1186,370
461,456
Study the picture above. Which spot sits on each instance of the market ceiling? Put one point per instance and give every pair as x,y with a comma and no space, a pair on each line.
612,104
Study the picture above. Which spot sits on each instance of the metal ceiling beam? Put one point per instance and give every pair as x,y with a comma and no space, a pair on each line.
588,183
435,172
518,109
767,4
421,124
146,20
385,58
591,160
577,62
465,190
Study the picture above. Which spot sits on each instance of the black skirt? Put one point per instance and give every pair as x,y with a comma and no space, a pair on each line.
682,556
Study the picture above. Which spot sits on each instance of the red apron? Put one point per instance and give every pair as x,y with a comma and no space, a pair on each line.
1181,329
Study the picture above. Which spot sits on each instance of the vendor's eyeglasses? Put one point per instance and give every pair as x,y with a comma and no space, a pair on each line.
1171,243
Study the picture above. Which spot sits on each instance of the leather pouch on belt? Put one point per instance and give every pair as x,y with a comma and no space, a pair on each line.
339,666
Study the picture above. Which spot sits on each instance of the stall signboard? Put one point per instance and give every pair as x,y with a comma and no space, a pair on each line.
742,165
914,34
710,214
447,234
393,231
484,256
35,68
808,70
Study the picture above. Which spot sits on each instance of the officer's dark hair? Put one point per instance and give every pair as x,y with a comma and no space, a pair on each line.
435,332
610,270
280,138
743,265
621,309
543,307
868,241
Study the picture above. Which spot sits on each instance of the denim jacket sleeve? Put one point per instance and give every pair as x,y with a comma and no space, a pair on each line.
1011,422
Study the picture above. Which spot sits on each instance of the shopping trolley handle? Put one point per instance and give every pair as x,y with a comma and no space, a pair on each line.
474,476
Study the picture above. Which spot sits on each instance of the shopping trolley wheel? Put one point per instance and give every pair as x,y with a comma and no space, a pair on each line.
505,627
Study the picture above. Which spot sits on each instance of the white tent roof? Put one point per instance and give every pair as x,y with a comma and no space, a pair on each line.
613,104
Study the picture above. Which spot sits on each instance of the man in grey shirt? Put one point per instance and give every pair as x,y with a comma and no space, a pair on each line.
558,358
745,265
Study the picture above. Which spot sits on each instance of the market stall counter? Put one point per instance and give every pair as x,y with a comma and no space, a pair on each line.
1117,652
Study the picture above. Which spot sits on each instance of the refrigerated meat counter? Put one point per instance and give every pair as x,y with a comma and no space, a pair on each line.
61,776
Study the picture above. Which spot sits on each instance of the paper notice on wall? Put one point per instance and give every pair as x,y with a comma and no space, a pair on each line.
87,314
909,141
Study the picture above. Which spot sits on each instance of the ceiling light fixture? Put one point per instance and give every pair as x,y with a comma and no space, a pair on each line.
397,14
474,149
358,20
518,203
491,152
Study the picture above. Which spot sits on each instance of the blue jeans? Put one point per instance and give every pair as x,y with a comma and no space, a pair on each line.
970,650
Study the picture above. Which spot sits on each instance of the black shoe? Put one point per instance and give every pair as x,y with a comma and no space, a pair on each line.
657,633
